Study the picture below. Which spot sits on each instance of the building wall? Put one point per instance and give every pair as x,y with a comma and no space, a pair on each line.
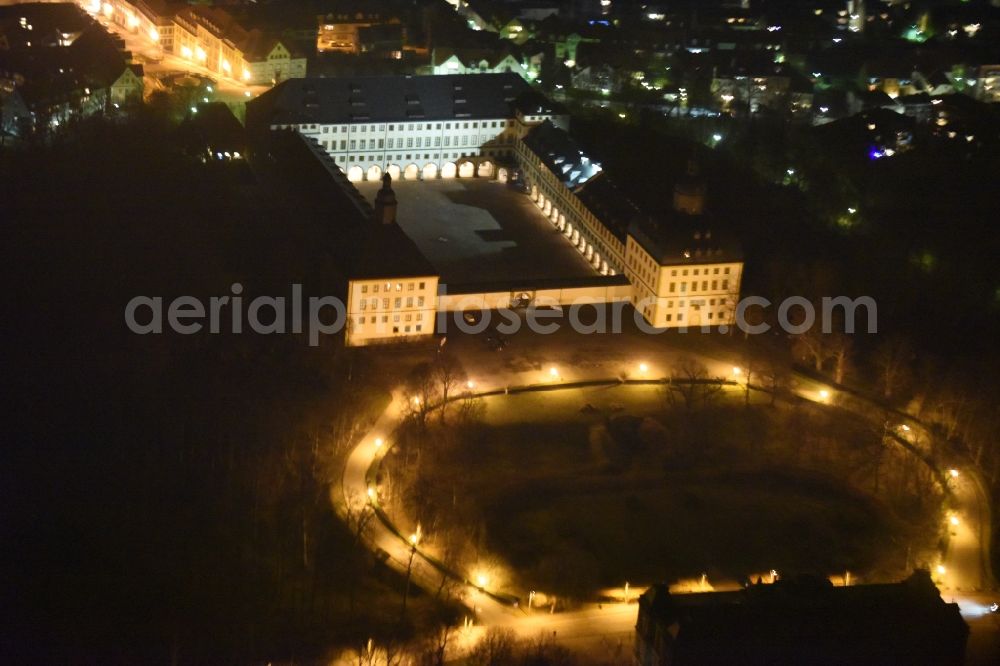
187,36
568,214
494,300
390,309
276,66
683,295
411,147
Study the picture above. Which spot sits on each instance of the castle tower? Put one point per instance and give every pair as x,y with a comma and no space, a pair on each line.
689,192
385,202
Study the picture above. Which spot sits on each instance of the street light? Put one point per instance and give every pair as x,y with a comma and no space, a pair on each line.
554,372
470,384
941,569
737,371
953,473
378,442
824,394
643,368
481,580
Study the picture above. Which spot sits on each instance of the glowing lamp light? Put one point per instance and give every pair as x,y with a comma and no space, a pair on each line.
470,384
413,539
824,394
416,400
953,473
154,34
378,442
132,21
954,521
186,51
108,9
941,569
553,372
246,75
643,368
904,428
226,67
481,580
200,54
371,492
737,371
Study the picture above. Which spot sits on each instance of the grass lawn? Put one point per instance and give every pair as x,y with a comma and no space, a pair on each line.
582,488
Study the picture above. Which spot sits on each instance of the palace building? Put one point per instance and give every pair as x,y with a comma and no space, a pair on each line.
675,265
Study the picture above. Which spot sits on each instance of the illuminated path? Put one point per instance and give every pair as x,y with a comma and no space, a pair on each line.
609,627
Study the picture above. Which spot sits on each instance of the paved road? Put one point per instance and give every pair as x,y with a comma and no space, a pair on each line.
606,628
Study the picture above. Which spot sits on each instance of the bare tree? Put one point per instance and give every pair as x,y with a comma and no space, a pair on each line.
690,380
812,347
420,393
449,375
495,648
893,360
840,345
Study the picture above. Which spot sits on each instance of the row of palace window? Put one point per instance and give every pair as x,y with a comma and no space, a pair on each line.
389,286
585,218
418,142
395,329
396,303
694,285
711,316
715,271
408,127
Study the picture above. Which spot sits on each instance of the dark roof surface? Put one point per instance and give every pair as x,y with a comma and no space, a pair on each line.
388,99
561,154
366,248
809,621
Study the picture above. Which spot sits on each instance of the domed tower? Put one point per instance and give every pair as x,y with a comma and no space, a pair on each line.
689,192
385,202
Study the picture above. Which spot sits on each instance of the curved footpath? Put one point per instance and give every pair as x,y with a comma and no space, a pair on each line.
610,627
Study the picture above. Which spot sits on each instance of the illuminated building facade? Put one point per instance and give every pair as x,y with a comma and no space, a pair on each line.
205,36
675,268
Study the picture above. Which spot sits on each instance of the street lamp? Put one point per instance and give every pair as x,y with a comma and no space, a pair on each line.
554,372
824,394
481,580
737,371
953,473
941,569
643,368
954,521
470,384
379,442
